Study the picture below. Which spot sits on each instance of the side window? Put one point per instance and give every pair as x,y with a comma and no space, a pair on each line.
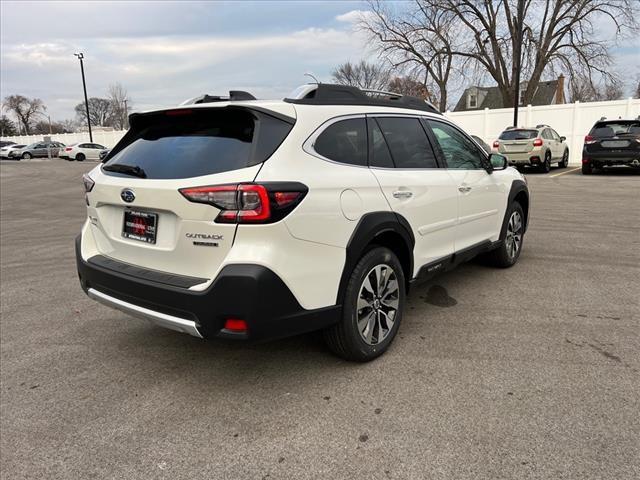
344,141
555,135
379,155
83,145
459,151
546,134
408,142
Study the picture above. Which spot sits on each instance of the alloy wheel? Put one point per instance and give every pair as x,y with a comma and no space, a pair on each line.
378,303
514,235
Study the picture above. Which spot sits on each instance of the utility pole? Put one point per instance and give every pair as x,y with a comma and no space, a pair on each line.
517,59
125,122
84,86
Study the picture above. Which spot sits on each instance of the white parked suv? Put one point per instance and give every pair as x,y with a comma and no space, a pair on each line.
251,220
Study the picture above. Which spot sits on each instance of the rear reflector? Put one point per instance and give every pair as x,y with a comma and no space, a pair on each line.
172,113
235,325
249,202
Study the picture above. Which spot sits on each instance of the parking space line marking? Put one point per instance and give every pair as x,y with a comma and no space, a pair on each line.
566,171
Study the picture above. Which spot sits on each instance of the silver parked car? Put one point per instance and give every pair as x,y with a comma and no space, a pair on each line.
39,149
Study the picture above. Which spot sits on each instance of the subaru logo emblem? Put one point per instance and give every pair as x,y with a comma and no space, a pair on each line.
127,195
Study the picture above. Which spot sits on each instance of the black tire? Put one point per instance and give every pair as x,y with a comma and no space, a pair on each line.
344,339
565,159
27,155
545,167
503,257
69,159
80,157
587,169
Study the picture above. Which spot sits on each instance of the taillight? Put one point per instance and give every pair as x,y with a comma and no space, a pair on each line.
588,140
68,149
537,142
249,202
496,144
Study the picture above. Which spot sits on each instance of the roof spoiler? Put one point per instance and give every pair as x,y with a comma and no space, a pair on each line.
234,96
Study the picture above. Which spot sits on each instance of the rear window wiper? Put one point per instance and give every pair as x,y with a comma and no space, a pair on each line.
133,170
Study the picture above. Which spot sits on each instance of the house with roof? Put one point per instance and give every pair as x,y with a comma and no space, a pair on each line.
479,98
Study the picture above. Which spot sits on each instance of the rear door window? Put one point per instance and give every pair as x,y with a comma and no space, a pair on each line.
344,141
408,142
379,155
195,142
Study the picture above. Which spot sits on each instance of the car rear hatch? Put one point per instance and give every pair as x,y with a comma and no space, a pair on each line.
517,141
137,212
620,137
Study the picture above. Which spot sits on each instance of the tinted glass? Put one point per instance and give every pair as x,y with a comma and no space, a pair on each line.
459,151
344,141
610,129
84,145
199,142
408,142
518,134
379,154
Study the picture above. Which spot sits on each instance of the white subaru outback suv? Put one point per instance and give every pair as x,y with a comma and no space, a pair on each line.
252,220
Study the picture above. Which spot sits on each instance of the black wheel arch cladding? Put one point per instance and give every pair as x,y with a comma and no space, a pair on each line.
520,194
391,230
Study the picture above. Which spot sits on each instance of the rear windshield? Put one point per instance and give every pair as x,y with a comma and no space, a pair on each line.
612,129
518,134
190,143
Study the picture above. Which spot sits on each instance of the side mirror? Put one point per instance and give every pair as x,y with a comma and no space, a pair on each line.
562,139
498,162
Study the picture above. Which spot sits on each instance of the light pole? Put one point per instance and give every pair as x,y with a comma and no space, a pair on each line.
80,56
517,60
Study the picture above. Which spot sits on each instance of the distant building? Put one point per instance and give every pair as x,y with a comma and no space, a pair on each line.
479,98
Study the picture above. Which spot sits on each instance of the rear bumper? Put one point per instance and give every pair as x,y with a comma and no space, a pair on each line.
527,158
611,158
252,293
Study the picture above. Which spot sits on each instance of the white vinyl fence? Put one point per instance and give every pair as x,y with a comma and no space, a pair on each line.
108,139
572,120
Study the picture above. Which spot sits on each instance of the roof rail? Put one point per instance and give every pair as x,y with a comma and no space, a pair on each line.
542,125
234,96
329,94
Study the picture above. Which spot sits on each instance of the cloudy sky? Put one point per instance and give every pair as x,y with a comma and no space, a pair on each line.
165,52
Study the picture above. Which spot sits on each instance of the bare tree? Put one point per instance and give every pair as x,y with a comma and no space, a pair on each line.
70,125
25,109
410,86
582,89
43,127
420,38
100,112
558,34
362,75
120,105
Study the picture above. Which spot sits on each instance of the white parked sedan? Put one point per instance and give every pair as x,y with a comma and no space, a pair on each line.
4,151
82,151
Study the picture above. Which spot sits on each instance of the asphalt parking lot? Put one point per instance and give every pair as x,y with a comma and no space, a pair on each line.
531,372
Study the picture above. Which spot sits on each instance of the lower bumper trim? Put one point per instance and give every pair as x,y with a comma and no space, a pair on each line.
157,318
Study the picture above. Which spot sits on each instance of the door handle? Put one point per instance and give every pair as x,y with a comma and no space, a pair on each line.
464,189
402,194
